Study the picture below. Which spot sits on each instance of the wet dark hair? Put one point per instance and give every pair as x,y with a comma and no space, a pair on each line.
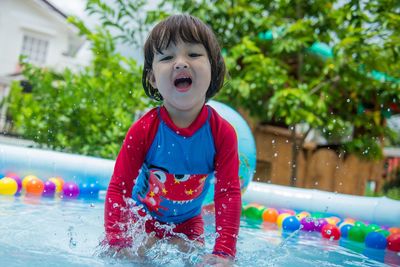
188,29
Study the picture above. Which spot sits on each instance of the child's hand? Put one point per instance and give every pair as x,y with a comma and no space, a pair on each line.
214,260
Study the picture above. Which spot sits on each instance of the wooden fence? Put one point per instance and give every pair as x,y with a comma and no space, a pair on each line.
319,168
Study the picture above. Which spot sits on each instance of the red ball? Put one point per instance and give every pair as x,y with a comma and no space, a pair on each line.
393,242
330,231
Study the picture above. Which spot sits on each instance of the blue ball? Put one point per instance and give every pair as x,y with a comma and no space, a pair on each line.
375,240
344,229
89,190
246,146
291,223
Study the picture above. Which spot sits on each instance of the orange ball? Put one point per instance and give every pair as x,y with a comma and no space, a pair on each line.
27,179
34,187
349,220
394,230
270,215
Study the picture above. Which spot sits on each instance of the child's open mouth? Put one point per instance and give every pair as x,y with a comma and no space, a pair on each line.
183,84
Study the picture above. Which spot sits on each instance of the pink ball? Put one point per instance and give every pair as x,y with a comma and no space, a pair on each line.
49,189
70,190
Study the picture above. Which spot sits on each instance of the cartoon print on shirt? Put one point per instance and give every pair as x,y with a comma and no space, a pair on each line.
159,185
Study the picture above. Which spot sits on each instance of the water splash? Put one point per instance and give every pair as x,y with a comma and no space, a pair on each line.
173,249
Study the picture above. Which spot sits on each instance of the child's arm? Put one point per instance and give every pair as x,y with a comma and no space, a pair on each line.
126,170
227,196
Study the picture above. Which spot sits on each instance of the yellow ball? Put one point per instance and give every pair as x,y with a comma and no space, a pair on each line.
8,186
27,179
302,214
58,182
280,219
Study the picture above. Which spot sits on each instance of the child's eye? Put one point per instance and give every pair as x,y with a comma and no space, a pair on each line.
166,58
195,55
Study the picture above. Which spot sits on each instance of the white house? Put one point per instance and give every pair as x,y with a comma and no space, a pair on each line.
38,30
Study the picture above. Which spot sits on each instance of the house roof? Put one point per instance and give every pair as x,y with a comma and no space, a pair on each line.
51,6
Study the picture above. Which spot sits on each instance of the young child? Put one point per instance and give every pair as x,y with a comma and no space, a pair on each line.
169,156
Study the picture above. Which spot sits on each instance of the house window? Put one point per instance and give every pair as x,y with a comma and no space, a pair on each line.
35,49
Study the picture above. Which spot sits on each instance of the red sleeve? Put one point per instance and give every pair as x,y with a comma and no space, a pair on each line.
128,163
227,196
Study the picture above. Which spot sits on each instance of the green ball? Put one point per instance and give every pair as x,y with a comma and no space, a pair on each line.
372,228
359,224
386,233
254,213
318,215
357,233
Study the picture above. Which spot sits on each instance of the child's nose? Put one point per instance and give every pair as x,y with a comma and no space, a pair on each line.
181,64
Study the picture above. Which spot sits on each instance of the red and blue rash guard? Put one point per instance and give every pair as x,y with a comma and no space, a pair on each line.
169,169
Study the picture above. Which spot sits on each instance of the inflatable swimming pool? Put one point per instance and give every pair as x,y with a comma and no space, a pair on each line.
83,169
49,232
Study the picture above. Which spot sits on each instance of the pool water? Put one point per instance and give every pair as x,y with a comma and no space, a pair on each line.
55,232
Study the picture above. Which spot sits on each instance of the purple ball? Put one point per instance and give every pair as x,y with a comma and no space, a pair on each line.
319,224
49,189
308,224
18,181
70,190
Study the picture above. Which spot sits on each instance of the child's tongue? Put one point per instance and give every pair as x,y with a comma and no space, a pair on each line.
183,85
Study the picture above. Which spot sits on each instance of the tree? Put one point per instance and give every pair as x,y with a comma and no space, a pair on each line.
281,75
87,112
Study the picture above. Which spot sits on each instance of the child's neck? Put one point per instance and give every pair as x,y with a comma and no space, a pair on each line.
183,119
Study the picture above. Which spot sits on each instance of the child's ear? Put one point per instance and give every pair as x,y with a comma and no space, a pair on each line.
152,79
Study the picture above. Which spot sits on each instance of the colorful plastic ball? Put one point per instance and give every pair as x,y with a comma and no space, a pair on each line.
360,224
331,232
393,242
291,223
371,228
70,190
375,240
302,214
34,187
318,215
333,220
49,189
394,230
384,232
58,184
19,183
270,215
8,186
89,190
280,219
345,228
356,233
307,224
27,179
253,211
349,220
288,211
319,223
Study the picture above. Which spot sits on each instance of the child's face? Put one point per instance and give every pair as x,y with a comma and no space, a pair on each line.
182,75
